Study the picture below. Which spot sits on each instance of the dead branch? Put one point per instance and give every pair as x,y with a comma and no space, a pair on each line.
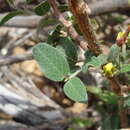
15,59
24,102
13,43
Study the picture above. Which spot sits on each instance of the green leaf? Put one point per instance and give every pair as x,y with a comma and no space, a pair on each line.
75,90
9,16
53,64
42,8
82,122
109,97
114,54
111,122
67,47
127,101
106,96
88,55
125,68
94,61
29,1
54,35
98,61
95,90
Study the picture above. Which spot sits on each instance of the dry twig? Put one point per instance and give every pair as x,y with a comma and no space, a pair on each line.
15,59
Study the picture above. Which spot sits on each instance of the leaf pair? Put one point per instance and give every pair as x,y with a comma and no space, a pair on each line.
54,65
93,61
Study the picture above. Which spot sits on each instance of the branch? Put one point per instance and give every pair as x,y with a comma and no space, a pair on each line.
15,59
68,25
115,86
13,43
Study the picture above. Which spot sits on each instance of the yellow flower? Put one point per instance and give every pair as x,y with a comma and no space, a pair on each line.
109,69
119,35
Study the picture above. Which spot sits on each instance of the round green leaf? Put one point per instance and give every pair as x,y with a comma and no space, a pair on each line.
94,61
114,54
42,8
125,68
127,101
76,90
54,35
94,90
68,48
52,62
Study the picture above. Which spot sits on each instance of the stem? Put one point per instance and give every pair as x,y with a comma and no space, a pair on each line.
115,86
122,112
72,32
75,73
